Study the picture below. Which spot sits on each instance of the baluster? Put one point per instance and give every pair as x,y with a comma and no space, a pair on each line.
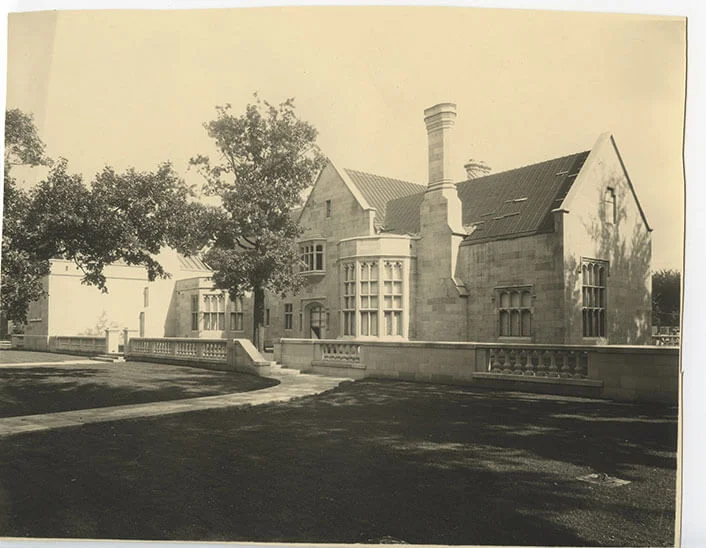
527,358
505,361
551,369
564,370
582,365
573,363
497,361
515,367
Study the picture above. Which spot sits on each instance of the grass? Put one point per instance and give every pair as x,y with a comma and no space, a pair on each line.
28,356
64,387
371,460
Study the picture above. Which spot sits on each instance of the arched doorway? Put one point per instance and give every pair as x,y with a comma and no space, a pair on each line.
316,320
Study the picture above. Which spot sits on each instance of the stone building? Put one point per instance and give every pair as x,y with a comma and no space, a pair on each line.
554,252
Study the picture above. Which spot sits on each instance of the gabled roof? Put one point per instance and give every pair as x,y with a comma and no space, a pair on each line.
512,203
192,263
378,191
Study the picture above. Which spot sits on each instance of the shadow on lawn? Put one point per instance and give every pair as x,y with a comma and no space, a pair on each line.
368,461
35,390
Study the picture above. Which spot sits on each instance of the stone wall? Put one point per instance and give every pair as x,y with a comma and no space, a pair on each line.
622,239
219,354
532,261
440,310
624,373
347,219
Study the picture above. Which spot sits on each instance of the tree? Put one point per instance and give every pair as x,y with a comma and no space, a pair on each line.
666,297
128,217
268,156
22,143
20,276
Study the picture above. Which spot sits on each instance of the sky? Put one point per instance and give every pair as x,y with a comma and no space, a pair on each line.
133,88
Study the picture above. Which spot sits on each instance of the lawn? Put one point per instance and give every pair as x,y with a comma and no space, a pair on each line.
63,387
370,461
28,356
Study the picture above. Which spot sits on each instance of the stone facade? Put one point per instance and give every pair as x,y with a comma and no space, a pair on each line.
520,285
556,252
132,302
603,221
534,263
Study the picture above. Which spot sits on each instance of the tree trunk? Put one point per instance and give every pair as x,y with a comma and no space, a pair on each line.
259,319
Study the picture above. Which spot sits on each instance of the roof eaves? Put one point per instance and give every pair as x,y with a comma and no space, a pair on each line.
357,194
632,188
586,168
472,241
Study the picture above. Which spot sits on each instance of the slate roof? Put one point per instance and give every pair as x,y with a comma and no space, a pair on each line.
501,205
191,263
379,191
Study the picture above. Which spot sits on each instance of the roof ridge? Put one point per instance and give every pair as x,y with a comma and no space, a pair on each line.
556,159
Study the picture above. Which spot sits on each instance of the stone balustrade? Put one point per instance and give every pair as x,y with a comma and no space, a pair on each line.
666,340
626,373
538,361
180,349
340,352
78,344
221,354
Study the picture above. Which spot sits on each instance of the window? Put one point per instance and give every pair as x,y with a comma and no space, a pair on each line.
369,299
146,297
610,211
328,208
515,312
312,257
214,317
236,316
267,317
348,307
593,293
392,296
317,321
288,316
194,312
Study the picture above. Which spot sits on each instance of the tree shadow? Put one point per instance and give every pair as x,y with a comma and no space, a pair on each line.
369,461
38,390
628,311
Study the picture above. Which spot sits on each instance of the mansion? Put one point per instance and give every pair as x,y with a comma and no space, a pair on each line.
554,252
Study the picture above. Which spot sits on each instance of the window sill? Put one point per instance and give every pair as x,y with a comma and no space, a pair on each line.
312,273
515,339
595,340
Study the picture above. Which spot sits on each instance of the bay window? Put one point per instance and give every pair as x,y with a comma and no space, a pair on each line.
312,256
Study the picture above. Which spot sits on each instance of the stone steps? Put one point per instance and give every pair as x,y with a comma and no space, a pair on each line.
281,370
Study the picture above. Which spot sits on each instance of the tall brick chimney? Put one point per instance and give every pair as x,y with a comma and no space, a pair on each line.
440,120
441,306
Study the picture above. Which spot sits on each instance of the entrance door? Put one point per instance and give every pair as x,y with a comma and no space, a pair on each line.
317,322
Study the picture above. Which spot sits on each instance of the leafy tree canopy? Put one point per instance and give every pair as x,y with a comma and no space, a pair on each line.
22,143
126,216
267,157
666,297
